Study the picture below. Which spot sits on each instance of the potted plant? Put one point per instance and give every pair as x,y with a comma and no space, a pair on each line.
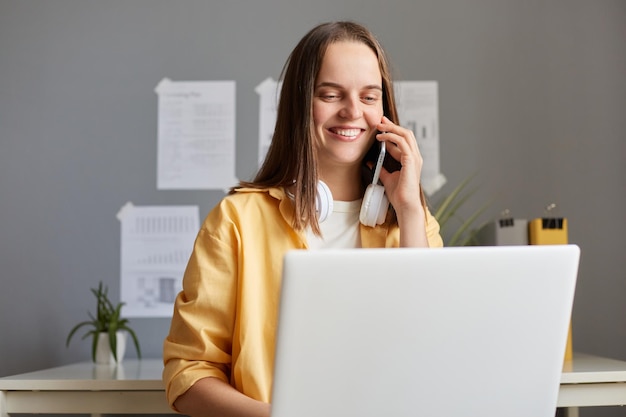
107,324
446,212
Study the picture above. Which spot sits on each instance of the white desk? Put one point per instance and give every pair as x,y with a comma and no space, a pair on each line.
589,381
135,387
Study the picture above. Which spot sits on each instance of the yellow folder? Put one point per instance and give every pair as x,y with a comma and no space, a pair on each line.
548,231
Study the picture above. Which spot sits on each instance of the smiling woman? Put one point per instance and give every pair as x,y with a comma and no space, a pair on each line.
336,99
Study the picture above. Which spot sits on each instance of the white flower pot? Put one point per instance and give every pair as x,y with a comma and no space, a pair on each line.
103,349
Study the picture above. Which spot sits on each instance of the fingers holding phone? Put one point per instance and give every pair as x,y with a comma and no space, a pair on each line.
406,149
403,185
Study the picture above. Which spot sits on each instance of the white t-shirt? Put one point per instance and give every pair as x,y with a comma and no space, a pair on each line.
341,229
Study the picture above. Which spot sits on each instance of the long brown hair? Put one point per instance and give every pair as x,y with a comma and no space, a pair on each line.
291,159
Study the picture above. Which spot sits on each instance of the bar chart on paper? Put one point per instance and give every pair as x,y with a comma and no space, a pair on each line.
156,242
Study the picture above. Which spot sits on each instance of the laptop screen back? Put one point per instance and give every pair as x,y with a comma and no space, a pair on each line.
476,331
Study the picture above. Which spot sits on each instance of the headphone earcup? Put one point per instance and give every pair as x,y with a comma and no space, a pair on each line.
323,201
375,205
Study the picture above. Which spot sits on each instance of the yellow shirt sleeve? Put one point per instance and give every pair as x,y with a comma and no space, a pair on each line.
224,319
432,231
196,347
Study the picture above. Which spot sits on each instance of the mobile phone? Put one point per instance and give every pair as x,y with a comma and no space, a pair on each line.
390,163
373,154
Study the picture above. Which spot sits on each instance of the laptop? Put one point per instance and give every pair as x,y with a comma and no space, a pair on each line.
472,331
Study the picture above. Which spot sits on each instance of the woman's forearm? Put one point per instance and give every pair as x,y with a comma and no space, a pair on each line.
212,397
412,229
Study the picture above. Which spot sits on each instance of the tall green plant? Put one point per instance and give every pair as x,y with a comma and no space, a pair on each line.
455,230
107,320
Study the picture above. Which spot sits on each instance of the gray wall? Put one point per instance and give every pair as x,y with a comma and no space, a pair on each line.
532,98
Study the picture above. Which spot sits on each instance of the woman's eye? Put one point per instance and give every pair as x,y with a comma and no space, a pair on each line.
328,95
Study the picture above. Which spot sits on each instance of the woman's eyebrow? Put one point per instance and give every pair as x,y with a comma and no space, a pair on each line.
335,85
328,84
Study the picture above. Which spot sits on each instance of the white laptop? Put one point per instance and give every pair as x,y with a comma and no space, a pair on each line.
474,331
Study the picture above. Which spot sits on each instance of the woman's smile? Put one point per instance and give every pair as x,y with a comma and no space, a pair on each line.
346,133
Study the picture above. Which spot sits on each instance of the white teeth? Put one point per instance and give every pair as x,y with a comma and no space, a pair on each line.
348,132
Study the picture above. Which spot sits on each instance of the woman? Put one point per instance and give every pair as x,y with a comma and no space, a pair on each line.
336,99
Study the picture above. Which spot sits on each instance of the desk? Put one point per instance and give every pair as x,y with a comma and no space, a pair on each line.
135,387
589,381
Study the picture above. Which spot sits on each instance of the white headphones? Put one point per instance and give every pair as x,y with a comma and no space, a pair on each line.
375,203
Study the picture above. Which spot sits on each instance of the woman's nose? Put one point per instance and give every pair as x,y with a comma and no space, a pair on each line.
351,109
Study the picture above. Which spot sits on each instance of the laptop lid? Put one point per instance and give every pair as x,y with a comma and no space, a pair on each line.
474,331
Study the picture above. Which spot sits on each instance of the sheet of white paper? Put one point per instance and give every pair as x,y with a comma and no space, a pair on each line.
156,242
418,108
268,91
196,135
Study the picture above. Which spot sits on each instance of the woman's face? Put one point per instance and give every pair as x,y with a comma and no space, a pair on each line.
347,104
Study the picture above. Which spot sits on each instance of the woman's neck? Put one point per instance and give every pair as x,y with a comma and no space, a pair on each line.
344,185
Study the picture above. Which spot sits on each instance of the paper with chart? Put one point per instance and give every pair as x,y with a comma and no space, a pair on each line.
155,245
196,135
418,108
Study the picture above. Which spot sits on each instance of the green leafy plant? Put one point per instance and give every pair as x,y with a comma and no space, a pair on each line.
455,230
107,320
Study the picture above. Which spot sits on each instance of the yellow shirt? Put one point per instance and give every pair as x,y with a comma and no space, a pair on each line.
224,320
